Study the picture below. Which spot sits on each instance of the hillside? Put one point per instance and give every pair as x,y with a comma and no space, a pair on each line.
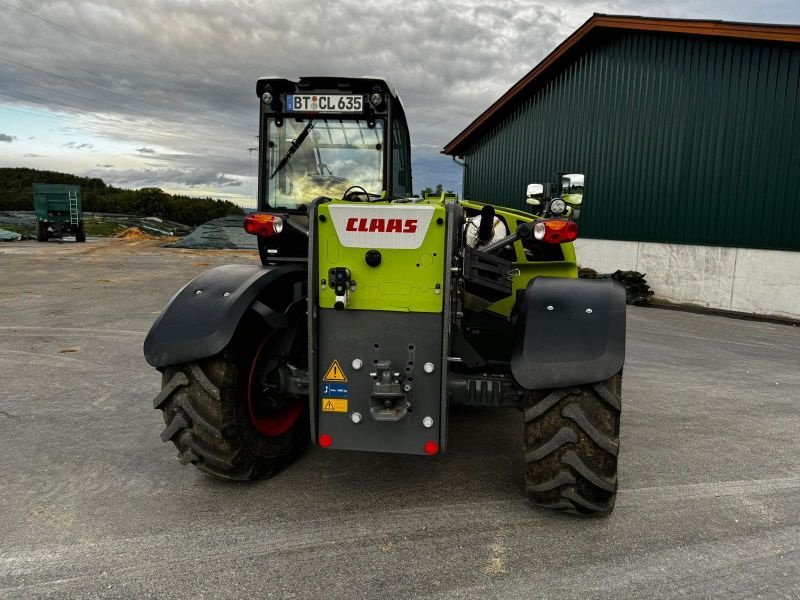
16,193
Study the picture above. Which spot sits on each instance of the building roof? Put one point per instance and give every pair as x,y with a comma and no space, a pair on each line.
599,25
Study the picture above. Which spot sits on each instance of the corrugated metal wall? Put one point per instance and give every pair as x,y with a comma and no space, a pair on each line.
681,140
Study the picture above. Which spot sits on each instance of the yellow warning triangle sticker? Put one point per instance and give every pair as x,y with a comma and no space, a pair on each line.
334,372
329,405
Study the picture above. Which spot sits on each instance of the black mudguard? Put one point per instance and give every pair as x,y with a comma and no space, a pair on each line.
202,317
569,332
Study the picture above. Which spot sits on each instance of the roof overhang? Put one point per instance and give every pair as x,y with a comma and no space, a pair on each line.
604,23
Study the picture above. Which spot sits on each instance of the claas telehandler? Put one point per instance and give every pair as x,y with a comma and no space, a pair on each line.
374,311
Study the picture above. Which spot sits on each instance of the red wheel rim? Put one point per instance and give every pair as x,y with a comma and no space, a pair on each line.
280,422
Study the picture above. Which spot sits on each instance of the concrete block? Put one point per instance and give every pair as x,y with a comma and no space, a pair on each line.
763,282
606,256
767,282
700,275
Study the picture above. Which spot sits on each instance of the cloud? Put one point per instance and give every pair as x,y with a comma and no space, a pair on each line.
159,177
77,146
30,155
104,166
7,138
183,80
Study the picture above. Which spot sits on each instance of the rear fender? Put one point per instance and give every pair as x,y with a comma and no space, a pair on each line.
201,318
569,332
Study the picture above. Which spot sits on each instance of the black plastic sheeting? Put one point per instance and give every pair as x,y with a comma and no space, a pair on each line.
9,236
636,289
226,232
18,218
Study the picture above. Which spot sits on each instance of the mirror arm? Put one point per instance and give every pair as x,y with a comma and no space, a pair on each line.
499,244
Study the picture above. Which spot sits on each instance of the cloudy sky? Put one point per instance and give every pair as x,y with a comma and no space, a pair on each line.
162,92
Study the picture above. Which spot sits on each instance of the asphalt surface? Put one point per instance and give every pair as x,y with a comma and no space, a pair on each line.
92,504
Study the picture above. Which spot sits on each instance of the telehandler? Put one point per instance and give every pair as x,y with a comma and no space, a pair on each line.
374,311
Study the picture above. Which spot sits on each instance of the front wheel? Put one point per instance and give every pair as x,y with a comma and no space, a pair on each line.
572,444
234,415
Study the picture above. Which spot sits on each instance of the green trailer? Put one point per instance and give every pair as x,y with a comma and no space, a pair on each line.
58,211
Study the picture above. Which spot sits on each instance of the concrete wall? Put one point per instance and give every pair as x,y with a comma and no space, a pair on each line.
764,282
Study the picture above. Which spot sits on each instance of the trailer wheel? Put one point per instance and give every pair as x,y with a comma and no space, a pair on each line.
80,235
571,444
41,231
225,414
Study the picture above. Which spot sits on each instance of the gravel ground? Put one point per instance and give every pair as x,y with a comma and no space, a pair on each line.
94,505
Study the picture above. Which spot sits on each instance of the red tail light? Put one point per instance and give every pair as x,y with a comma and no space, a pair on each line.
555,231
431,448
325,440
263,224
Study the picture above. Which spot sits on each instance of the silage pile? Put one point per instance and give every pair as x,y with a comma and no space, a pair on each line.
134,233
227,232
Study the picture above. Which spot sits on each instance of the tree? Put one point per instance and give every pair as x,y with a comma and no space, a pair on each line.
151,201
17,187
436,191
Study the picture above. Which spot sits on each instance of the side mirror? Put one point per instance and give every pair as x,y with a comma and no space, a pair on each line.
535,194
572,188
572,193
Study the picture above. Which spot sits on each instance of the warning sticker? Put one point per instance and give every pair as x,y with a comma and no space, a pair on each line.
334,373
334,405
334,390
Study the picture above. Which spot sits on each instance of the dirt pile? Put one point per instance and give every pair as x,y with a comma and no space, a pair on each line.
134,233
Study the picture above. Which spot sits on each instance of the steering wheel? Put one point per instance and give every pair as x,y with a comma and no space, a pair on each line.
350,194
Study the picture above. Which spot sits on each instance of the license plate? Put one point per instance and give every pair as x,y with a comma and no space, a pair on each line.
324,103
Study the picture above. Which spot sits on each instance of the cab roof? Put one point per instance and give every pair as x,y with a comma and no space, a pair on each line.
362,85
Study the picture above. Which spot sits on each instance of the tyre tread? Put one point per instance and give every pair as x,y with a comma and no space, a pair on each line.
177,380
572,494
572,447
201,378
574,412
196,418
564,436
177,424
563,478
201,405
545,404
200,441
574,461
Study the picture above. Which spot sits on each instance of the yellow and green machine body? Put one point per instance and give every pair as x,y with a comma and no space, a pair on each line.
381,345
404,312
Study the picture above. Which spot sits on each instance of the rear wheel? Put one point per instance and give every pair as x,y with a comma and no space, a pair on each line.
572,443
80,234
234,415
41,231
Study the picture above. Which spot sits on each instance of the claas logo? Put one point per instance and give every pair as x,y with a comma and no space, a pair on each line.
382,225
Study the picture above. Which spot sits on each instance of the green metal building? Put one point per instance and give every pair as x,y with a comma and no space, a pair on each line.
688,132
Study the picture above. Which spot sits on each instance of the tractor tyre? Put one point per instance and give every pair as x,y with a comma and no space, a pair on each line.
213,415
80,234
571,445
41,231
